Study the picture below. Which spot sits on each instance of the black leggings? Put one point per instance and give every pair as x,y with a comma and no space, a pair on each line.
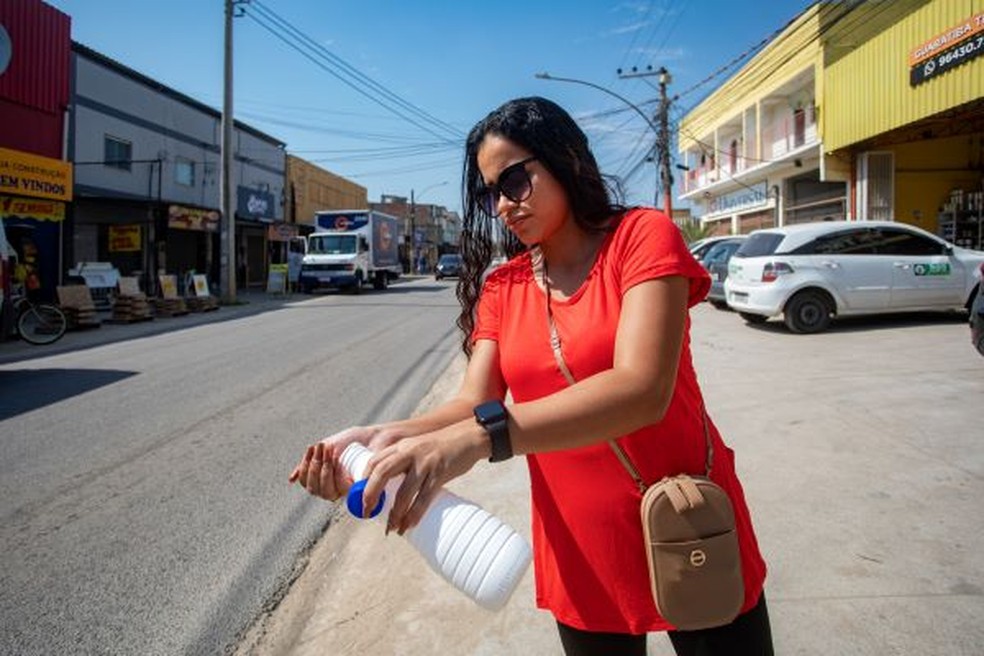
749,635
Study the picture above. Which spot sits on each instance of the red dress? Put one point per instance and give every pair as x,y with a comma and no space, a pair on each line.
589,560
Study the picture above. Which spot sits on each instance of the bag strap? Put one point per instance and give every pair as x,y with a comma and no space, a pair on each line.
538,261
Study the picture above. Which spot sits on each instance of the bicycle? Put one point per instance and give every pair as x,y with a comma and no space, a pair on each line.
38,323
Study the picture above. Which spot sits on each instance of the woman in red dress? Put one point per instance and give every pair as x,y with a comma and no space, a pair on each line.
618,284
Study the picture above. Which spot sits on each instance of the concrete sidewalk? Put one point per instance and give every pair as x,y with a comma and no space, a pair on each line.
860,454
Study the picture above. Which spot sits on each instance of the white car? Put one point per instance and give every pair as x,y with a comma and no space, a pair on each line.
812,272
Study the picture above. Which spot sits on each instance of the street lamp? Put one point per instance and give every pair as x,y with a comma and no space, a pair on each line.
660,131
413,218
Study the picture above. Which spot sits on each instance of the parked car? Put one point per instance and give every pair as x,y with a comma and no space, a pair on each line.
812,272
977,316
716,262
448,266
700,247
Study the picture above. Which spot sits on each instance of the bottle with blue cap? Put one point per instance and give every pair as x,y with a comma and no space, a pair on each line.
469,547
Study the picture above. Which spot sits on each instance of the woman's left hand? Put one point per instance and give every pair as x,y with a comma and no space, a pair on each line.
427,462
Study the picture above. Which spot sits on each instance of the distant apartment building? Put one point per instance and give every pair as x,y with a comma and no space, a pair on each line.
853,111
435,229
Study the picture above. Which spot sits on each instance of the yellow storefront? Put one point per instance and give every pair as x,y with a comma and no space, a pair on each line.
33,194
905,113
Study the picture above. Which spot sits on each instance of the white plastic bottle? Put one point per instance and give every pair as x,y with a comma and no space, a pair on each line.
469,547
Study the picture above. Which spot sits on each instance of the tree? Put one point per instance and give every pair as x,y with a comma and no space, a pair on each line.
695,230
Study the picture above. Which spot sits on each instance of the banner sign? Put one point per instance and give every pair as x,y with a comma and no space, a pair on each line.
190,218
281,232
254,204
34,175
955,47
743,199
124,238
33,208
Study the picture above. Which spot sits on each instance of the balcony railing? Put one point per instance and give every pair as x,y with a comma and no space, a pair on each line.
778,139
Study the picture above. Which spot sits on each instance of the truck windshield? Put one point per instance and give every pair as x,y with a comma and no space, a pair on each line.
331,244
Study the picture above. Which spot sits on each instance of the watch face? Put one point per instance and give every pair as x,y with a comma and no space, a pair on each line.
490,412
6,50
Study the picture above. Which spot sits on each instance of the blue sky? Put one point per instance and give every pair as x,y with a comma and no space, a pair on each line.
442,64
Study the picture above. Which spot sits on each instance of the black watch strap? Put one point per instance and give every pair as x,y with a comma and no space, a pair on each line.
492,416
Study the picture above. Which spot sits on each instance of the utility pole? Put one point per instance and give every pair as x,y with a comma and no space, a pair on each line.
227,258
413,230
665,176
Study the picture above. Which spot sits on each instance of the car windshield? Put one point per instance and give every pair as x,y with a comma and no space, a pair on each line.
450,259
763,243
331,244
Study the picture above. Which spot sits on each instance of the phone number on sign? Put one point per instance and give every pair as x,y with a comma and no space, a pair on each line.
946,60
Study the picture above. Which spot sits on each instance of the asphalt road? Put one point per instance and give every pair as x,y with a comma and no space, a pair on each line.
861,457
144,507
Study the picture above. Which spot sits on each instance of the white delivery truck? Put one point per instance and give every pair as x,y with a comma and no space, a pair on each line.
350,248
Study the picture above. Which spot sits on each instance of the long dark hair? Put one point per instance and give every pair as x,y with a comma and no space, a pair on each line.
547,131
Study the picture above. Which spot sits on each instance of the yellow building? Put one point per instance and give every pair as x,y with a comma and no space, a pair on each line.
861,112
905,116
311,188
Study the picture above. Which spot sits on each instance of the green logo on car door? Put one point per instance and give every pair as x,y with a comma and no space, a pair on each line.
932,269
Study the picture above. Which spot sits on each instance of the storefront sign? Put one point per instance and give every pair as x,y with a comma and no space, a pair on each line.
33,175
958,45
190,218
743,199
34,208
254,204
124,239
281,232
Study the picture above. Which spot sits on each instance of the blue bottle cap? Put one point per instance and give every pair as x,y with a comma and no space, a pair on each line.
354,499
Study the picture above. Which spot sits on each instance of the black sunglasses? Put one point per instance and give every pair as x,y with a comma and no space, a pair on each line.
514,183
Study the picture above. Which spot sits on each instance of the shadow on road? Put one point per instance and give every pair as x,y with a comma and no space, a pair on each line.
23,390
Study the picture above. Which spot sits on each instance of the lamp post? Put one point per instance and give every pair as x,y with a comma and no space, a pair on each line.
413,219
661,131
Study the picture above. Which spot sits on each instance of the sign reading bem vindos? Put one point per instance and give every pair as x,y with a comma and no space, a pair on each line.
954,47
25,174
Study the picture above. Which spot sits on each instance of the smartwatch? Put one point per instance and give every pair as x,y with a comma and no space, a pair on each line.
492,416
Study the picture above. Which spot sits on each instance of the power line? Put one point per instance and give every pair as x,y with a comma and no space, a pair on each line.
347,74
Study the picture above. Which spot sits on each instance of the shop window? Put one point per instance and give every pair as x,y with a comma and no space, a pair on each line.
117,153
184,172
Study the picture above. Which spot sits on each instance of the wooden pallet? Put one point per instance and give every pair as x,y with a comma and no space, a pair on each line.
131,304
76,303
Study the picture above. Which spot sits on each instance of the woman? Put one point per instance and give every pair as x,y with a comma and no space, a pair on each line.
618,284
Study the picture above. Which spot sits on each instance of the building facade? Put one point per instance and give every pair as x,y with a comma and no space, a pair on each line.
147,162
311,188
905,117
854,111
35,178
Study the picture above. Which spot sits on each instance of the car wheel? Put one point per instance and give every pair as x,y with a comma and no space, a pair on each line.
753,318
980,343
807,312
721,305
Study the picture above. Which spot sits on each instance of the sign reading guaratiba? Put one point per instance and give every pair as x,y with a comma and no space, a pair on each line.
24,174
954,47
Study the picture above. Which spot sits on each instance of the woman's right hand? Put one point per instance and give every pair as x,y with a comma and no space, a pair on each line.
320,470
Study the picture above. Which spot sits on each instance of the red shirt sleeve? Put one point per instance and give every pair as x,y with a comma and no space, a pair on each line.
488,310
651,246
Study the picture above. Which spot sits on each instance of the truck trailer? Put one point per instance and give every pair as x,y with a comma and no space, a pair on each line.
350,248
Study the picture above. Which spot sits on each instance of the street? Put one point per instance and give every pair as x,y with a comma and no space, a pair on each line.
859,451
143,483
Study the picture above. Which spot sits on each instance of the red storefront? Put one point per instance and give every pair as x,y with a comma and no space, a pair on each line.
35,183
